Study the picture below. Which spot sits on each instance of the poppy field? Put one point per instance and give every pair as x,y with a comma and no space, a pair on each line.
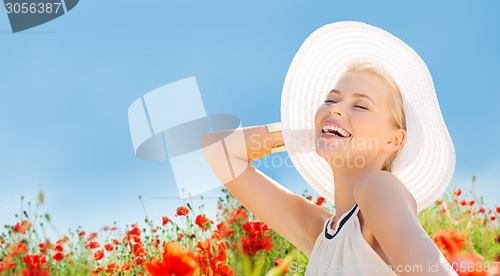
237,243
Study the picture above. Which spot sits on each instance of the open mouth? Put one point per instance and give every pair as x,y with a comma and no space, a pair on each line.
335,131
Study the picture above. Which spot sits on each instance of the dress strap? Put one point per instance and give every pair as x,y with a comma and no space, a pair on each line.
329,232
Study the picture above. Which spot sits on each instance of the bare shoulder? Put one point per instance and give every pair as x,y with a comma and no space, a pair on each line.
390,215
382,188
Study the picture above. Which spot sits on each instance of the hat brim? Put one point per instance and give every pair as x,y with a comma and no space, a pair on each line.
426,162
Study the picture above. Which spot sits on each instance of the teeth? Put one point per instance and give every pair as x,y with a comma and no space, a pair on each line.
339,130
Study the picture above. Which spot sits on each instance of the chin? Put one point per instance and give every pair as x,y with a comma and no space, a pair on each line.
342,158
328,152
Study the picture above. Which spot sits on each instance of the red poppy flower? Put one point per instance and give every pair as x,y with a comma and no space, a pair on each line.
58,256
99,254
6,264
138,260
58,248
253,245
255,240
18,248
237,214
320,200
203,222
309,197
498,210
457,192
223,270
108,247
222,231
98,269
138,250
63,240
112,268
81,234
481,210
449,240
277,262
43,248
116,242
92,236
467,211
463,202
438,202
132,234
223,246
176,260
164,220
182,211
203,244
211,260
492,218
136,239
92,245
135,231
34,260
255,226
126,267
22,227
471,202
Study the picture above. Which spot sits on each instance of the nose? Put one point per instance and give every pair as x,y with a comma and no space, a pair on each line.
334,109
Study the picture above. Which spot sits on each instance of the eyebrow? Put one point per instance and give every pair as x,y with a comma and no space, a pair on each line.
354,95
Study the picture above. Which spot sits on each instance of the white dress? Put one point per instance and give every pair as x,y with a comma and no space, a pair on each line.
344,251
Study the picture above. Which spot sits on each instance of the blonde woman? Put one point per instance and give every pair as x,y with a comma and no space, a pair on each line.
362,125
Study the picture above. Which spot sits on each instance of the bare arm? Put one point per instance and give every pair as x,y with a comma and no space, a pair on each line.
390,216
285,212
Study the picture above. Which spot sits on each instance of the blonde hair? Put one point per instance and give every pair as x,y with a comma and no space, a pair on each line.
397,111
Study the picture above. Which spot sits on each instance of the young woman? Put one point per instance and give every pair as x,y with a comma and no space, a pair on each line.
375,147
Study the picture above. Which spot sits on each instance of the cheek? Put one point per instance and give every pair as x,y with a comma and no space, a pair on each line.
367,125
320,114
362,121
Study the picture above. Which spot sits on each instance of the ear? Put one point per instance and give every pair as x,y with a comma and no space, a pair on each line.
395,140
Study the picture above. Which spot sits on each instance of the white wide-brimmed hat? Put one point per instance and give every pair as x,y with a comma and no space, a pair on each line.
426,162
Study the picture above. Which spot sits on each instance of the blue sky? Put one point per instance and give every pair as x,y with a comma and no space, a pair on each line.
67,86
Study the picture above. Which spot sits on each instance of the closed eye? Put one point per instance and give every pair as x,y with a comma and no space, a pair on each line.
358,106
362,107
330,101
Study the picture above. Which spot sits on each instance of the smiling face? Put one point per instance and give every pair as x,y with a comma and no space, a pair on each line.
357,115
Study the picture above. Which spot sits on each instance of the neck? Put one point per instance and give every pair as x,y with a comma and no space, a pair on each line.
345,180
